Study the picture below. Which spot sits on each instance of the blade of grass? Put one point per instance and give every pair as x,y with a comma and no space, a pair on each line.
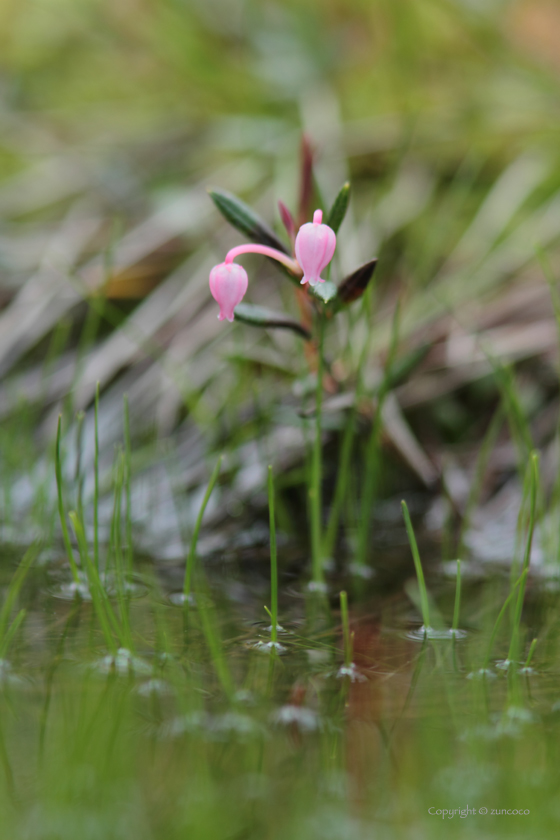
519,582
273,560
531,652
372,447
191,559
484,453
106,617
555,298
12,630
457,606
61,512
127,486
343,473
96,481
215,644
116,544
514,644
14,587
80,417
418,566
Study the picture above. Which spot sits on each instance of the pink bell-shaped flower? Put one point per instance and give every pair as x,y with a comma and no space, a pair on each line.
315,244
228,284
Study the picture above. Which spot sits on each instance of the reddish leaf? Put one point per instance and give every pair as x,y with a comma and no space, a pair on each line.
306,182
353,286
287,220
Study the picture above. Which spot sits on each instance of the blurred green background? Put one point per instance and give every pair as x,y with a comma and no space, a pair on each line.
94,72
116,116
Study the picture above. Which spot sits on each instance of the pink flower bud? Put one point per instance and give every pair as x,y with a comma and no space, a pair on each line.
228,284
315,244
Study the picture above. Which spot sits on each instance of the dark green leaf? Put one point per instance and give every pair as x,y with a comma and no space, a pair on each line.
353,286
337,212
259,316
244,218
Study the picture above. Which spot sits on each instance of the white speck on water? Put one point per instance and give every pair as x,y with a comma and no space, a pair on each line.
305,719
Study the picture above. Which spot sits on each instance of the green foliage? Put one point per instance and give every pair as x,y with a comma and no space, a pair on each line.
245,220
336,214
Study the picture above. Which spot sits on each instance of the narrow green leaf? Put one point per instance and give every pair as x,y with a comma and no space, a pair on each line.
259,316
354,285
244,218
337,212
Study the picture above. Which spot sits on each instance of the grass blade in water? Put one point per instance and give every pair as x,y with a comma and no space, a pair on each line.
514,644
418,567
194,540
61,512
273,560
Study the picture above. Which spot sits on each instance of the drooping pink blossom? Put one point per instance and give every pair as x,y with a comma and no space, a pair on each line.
229,281
228,284
315,246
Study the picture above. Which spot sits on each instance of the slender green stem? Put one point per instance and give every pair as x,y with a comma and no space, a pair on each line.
273,559
315,489
343,473
12,630
526,559
418,566
520,582
457,607
115,532
14,588
372,448
551,280
485,450
194,539
61,513
213,638
107,618
531,652
80,417
116,541
96,482
341,484
346,629
127,485
521,525
520,431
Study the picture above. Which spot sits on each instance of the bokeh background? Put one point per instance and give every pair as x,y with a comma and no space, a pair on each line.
117,116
